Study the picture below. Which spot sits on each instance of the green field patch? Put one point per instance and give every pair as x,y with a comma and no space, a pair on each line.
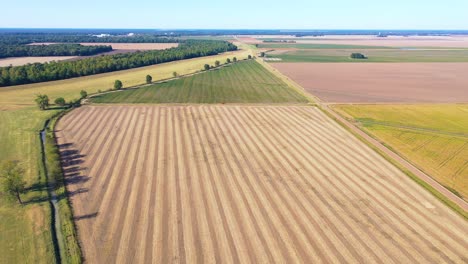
316,46
242,82
373,55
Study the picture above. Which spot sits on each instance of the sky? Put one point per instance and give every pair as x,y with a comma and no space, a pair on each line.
239,14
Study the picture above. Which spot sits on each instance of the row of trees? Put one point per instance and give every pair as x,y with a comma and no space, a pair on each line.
51,50
40,72
77,38
43,101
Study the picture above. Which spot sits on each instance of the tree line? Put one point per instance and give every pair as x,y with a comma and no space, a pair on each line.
51,50
17,39
41,72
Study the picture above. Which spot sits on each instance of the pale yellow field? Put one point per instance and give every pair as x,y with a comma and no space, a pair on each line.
433,137
18,61
244,184
23,95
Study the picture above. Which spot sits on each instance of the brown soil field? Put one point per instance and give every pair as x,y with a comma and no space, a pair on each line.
124,46
381,82
391,41
243,184
136,46
18,61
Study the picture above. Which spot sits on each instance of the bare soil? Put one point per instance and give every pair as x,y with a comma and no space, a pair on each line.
381,82
123,46
243,184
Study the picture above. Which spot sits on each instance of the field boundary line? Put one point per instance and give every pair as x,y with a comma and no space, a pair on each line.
436,189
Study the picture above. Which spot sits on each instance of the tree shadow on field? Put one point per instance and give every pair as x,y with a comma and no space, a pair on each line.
86,216
73,171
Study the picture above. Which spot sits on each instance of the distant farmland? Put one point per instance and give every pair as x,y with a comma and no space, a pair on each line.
373,55
381,82
125,46
243,184
242,82
25,60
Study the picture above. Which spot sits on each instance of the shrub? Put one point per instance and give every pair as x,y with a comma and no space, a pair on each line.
206,67
149,79
249,57
83,94
60,101
217,63
358,56
228,60
42,101
118,85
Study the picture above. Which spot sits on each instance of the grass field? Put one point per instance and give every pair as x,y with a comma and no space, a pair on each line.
242,82
25,231
434,137
23,95
374,55
316,46
244,184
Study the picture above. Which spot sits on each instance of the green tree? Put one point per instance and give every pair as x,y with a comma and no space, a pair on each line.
234,59
217,63
206,67
228,60
42,101
175,74
118,85
11,175
262,54
83,94
358,56
149,79
60,101
249,57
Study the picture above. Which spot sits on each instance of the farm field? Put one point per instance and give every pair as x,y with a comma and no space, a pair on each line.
124,46
25,60
20,123
374,55
434,137
260,184
23,95
369,40
241,82
315,46
381,82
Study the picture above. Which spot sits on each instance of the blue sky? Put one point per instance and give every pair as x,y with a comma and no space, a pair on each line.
245,14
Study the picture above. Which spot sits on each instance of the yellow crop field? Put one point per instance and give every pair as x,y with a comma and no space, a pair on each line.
433,137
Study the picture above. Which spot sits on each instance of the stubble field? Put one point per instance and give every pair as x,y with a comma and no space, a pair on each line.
381,82
240,184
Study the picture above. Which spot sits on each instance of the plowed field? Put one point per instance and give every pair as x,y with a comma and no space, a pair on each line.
243,184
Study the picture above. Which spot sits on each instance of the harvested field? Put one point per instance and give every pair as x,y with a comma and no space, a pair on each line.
124,46
381,82
135,46
243,184
18,61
